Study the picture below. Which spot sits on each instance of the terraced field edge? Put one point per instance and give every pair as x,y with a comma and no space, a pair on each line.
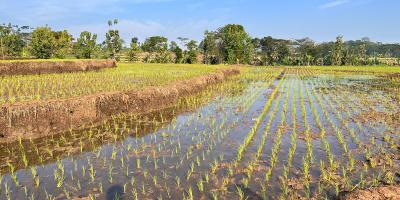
22,67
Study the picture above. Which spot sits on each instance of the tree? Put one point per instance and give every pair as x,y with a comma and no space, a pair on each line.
173,47
230,44
155,44
158,48
113,41
134,49
11,41
273,51
213,49
85,45
43,43
238,47
362,54
63,44
306,51
191,52
337,51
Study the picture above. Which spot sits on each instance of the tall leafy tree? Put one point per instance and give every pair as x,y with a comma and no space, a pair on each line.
43,43
212,47
174,47
113,42
362,53
192,50
134,49
273,51
11,41
85,45
63,45
155,44
158,48
306,51
238,46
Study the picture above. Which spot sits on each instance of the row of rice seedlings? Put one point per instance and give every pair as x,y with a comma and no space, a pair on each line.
338,99
308,159
250,167
327,174
215,164
351,161
286,168
254,129
276,148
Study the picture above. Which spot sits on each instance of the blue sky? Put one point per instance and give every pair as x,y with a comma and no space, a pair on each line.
322,20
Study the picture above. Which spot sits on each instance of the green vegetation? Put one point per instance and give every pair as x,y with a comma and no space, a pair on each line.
85,45
125,77
230,44
113,42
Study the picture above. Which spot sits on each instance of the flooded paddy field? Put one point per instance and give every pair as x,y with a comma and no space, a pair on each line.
268,133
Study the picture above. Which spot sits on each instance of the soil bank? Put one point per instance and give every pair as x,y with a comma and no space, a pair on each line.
45,67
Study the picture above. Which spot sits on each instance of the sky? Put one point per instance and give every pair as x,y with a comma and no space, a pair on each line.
321,20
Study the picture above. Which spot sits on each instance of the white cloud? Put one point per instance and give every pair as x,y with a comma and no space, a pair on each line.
333,4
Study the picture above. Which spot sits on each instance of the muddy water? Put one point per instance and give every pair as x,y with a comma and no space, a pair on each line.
343,139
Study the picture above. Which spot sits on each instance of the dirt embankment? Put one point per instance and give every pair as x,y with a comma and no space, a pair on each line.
378,193
59,66
37,119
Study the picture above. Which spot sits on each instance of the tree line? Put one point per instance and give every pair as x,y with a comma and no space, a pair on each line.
230,44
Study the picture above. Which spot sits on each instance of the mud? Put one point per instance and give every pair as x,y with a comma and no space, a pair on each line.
43,118
46,67
377,193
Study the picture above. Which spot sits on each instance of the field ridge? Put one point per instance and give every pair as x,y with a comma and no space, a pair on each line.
21,67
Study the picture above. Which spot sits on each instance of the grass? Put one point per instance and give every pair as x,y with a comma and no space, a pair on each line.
14,89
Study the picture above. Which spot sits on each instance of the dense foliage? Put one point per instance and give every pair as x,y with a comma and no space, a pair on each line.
85,45
230,44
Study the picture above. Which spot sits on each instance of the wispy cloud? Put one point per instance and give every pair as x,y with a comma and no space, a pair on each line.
38,11
333,4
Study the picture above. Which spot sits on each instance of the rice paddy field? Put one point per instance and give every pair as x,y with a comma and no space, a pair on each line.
26,88
267,133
